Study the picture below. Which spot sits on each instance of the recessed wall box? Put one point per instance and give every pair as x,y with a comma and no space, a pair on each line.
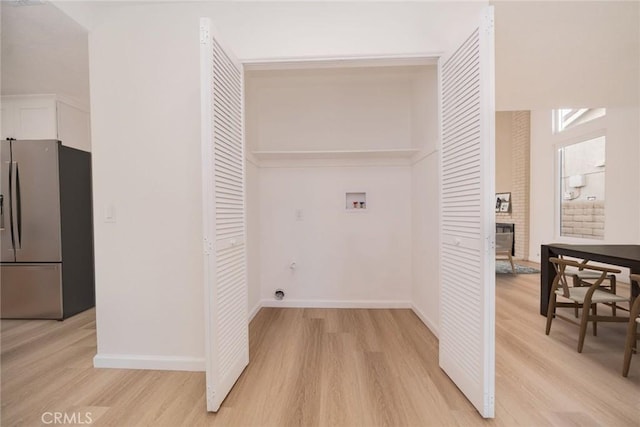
356,201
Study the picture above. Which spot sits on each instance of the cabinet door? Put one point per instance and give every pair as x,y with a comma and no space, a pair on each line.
74,128
36,122
8,119
29,117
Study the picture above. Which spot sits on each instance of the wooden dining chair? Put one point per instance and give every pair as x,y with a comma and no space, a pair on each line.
584,297
632,330
580,277
585,278
504,244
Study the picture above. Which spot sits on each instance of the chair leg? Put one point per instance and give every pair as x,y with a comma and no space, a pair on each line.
612,279
583,326
513,268
576,306
550,312
628,348
632,337
595,319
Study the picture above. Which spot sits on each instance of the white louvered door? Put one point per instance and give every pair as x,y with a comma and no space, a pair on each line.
467,217
227,338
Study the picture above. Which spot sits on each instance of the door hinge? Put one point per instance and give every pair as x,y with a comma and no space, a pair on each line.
205,35
489,23
208,246
489,405
210,396
489,243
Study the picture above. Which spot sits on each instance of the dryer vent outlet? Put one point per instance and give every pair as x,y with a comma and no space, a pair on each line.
279,294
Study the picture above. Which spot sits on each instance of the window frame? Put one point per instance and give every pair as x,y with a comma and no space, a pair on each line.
577,138
557,122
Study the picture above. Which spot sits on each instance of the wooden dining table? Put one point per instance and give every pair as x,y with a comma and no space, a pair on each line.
617,255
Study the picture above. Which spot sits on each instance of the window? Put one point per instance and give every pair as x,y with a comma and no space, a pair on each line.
567,118
582,196
581,178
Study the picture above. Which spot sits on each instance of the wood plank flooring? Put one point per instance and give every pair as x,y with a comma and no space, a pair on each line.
332,367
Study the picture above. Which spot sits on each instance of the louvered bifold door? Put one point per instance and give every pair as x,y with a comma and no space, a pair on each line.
467,255
227,340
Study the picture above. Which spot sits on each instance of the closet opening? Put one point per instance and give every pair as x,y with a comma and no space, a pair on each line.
326,140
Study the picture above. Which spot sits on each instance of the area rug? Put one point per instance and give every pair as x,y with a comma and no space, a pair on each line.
503,267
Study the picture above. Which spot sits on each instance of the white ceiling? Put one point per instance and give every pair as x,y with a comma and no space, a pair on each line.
43,51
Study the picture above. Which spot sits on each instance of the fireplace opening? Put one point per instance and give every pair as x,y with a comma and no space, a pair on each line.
505,227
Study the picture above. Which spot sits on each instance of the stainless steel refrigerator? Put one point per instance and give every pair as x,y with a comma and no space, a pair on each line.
46,230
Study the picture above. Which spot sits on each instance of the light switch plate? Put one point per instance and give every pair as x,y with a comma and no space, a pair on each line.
110,213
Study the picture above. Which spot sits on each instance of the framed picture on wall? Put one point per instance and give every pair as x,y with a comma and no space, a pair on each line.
503,202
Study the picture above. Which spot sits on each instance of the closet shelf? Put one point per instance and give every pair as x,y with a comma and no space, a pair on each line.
402,153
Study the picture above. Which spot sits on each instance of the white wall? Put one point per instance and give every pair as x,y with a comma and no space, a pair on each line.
562,54
343,258
253,235
331,109
43,51
284,29
425,233
146,164
346,258
425,202
574,54
622,205
144,69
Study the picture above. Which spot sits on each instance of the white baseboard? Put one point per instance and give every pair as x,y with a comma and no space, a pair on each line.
289,303
427,322
160,363
255,310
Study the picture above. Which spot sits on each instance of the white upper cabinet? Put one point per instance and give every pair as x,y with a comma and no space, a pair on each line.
29,117
46,117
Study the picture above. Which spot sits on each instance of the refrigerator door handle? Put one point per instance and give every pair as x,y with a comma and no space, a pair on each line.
2,199
11,199
18,209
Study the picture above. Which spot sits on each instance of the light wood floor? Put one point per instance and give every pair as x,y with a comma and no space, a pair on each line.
332,367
